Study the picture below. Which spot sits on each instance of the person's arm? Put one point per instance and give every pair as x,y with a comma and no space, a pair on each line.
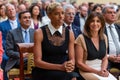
71,53
1,48
38,38
10,46
104,63
104,66
79,51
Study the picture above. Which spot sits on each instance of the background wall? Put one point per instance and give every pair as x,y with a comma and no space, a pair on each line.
80,1
98,1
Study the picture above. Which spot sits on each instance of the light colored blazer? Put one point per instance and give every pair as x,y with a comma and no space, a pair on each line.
32,24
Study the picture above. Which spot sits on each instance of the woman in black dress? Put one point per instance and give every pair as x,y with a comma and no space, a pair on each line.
54,48
91,50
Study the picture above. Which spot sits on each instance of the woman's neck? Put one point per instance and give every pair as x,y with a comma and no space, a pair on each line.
55,25
35,17
4,16
94,34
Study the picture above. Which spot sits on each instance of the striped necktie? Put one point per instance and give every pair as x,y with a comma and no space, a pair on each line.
117,46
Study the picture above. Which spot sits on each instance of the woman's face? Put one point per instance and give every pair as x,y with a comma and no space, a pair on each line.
35,10
98,9
95,24
2,10
57,16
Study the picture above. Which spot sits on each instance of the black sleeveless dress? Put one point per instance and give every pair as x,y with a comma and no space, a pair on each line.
93,53
53,53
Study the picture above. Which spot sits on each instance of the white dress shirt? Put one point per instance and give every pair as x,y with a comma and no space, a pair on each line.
112,48
13,24
23,33
68,25
53,30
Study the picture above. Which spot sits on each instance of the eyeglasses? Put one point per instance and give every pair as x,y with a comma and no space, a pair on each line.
70,14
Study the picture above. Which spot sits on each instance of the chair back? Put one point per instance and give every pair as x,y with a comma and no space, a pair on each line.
23,48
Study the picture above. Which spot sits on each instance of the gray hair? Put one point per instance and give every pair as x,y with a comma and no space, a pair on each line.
67,6
8,5
106,7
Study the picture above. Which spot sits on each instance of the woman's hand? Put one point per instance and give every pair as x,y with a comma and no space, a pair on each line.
103,73
69,66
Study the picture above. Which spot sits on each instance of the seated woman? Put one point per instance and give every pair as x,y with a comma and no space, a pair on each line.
54,48
91,50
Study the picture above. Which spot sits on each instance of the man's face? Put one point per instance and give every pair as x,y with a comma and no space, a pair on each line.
110,15
11,12
84,11
25,20
69,15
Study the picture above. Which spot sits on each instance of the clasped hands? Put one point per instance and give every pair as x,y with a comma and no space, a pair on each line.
103,73
69,66
114,58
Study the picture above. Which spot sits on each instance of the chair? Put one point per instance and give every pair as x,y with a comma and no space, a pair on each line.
115,72
21,73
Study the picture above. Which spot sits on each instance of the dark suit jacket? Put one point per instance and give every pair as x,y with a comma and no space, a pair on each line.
118,31
76,30
13,37
77,20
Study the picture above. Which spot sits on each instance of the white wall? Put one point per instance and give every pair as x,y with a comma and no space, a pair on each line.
98,1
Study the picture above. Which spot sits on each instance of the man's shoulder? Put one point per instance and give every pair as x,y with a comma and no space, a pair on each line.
14,30
4,22
31,29
117,25
75,26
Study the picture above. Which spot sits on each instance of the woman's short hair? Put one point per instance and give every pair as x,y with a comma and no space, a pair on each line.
87,31
52,6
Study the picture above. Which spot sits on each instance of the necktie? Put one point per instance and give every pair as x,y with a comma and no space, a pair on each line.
68,27
26,37
57,33
115,40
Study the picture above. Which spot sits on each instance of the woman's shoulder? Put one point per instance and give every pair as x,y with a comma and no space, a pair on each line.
79,39
106,41
105,37
81,36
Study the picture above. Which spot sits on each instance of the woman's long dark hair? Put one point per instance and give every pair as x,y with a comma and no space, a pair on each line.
87,31
39,17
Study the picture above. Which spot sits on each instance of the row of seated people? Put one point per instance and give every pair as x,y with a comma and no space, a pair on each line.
54,53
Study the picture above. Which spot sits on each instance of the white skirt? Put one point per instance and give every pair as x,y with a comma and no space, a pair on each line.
96,64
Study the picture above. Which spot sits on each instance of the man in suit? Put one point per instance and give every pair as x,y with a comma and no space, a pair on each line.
109,14
81,17
18,35
5,26
68,23
68,20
